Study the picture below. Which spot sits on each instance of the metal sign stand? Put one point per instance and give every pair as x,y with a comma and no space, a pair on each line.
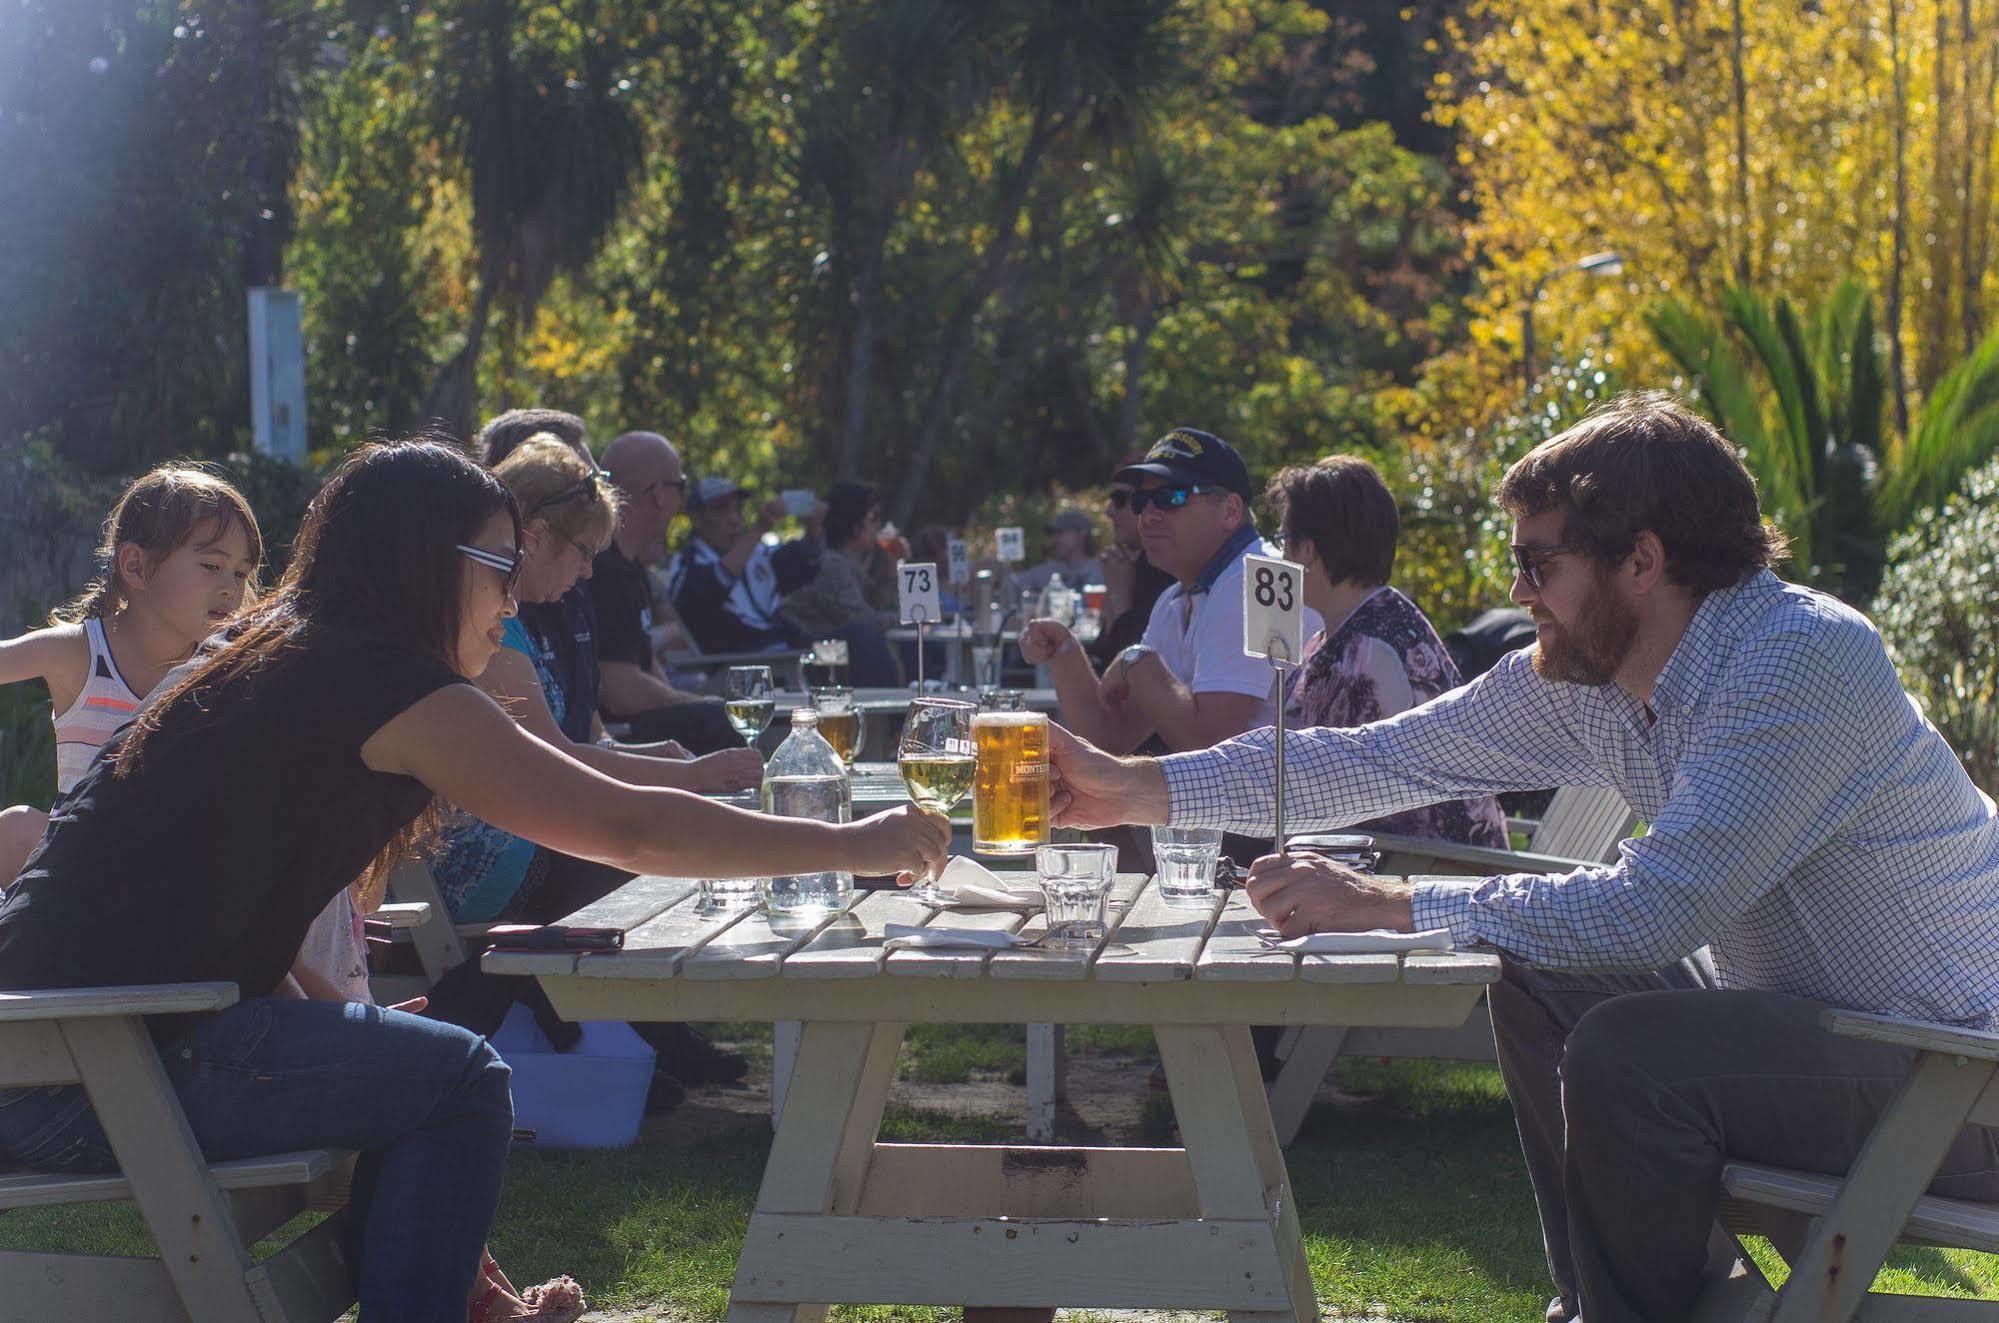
922,627
1279,664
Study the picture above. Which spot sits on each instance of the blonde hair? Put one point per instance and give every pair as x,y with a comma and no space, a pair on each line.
159,513
554,483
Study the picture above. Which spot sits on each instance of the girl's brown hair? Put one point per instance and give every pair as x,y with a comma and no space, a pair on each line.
377,553
172,505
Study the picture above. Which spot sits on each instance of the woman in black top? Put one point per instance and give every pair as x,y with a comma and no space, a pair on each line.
309,751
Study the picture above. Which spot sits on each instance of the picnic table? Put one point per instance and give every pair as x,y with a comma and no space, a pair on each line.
844,1218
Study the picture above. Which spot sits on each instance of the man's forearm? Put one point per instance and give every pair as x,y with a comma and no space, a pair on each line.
627,690
1076,690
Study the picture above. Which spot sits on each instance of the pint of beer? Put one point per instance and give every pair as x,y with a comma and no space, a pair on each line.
1010,791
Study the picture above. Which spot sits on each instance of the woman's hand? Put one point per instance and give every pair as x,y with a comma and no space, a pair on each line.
903,840
1304,893
1093,789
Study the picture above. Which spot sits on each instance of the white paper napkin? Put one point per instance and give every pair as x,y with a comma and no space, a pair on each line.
972,885
903,936
1373,941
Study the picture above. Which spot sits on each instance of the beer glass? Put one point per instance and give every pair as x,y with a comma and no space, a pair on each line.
746,698
936,759
840,722
1010,792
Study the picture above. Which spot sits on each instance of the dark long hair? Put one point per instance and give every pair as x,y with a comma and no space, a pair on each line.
377,553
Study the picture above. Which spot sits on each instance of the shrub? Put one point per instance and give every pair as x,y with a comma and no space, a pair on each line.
1938,611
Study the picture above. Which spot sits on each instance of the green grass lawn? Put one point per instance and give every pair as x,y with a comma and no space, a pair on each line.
1413,1198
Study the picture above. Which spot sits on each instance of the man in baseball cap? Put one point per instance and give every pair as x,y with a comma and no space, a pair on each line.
1188,681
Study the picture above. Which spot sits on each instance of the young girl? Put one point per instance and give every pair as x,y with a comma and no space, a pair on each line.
180,555
309,751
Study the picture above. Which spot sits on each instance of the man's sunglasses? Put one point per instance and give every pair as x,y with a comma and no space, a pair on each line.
1531,560
508,566
1166,498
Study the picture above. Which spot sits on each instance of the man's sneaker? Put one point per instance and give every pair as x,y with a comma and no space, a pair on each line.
665,1093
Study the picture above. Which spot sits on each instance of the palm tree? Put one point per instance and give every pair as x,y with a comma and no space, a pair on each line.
532,102
1804,397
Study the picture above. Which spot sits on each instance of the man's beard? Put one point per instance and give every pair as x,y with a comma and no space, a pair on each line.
1592,652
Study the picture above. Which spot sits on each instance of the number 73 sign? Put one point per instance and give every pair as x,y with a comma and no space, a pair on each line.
1273,609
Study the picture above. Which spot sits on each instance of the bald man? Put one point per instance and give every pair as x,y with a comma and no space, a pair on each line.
647,470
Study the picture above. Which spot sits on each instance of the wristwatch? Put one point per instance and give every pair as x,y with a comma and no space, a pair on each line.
1131,655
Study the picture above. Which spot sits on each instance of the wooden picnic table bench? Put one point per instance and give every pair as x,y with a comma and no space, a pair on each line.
844,1218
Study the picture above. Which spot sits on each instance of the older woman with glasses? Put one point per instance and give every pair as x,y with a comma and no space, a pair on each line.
568,510
1378,654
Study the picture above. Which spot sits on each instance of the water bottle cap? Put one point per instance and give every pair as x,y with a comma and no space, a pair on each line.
804,717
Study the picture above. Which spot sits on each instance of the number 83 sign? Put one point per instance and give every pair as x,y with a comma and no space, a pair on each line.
1273,609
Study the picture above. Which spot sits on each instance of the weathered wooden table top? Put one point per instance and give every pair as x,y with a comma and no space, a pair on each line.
1159,964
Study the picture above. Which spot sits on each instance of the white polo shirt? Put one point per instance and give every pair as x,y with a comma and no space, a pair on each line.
1198,632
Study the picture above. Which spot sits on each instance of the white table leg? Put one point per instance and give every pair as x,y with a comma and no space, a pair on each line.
783,1054
1232,1149
1047,1071
1312,1054
819,1156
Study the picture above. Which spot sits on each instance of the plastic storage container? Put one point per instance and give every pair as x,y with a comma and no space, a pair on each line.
591,1097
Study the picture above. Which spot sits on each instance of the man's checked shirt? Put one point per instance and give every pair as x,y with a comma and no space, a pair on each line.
1807,823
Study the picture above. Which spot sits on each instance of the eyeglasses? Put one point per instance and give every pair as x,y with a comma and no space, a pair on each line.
1529,560
1168,498
588,487
508,566
1120,498
584,548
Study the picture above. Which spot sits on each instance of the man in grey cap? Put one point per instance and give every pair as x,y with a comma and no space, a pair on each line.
1072,553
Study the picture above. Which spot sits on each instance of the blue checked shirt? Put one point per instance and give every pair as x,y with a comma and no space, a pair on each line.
1807,822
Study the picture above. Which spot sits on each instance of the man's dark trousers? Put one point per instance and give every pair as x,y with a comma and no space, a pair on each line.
1631,1091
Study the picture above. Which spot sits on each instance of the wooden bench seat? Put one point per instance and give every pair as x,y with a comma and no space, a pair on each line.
24,1187
1950,1223
202,1216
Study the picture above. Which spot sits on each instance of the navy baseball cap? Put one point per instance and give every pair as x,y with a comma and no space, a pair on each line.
1189,457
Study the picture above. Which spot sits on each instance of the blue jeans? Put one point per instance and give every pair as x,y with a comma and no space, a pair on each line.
425,1102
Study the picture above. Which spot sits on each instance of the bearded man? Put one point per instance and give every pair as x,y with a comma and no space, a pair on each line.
1813,842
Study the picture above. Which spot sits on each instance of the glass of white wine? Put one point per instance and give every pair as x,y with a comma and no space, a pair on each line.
746,698
937,762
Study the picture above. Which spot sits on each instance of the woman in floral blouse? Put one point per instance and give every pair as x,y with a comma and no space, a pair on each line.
1378,654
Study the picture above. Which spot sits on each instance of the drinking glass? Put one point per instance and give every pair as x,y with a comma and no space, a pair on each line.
746,698
937,761
840,722
1186,857
1075,884
1002,700
719,894
1010,795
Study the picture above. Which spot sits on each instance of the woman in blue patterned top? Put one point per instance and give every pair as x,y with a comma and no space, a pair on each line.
1378,654
568,510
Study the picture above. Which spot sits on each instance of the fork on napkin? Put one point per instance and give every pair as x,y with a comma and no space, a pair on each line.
1374,941
972,886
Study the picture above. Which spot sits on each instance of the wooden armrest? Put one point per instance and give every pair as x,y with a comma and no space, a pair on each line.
1924,1035
404,914
138,999
1482,859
